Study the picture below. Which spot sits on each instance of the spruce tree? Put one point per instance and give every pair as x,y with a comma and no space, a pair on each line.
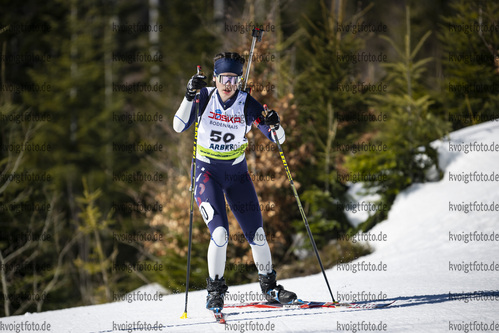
401,153
470,40
322,110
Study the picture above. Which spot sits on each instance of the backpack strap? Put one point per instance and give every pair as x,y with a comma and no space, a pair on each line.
207,101
246,108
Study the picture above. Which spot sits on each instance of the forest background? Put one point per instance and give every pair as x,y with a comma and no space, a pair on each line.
94,182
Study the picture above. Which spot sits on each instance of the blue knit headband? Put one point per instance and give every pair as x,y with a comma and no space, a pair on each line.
227,65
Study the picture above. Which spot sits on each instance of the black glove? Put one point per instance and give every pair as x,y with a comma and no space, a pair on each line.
195,83
272,119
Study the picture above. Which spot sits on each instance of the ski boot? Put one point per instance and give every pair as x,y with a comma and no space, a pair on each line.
216,292
275,293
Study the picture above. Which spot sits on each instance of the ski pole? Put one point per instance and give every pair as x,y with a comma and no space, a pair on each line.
257,36
288,173
193,180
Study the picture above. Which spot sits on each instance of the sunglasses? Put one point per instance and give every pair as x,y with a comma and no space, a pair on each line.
224,79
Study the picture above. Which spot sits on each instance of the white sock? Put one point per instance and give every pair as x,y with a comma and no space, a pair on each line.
261,252
217,253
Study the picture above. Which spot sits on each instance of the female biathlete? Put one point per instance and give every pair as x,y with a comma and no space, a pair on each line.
225,116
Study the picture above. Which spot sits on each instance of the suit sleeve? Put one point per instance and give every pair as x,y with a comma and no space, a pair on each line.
184,117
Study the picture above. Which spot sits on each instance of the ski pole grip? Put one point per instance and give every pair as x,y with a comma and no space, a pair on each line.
198,69
257,33
265,109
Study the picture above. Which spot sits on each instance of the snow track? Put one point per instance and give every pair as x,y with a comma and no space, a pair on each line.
440,270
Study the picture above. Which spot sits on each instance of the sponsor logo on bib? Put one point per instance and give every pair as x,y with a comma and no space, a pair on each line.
217,115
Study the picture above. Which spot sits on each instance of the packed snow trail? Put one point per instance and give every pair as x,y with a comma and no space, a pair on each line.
435,259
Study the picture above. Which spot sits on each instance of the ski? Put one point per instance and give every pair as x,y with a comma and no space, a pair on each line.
299,304
219,316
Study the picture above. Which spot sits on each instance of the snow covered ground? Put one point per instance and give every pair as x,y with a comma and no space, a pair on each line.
431,257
